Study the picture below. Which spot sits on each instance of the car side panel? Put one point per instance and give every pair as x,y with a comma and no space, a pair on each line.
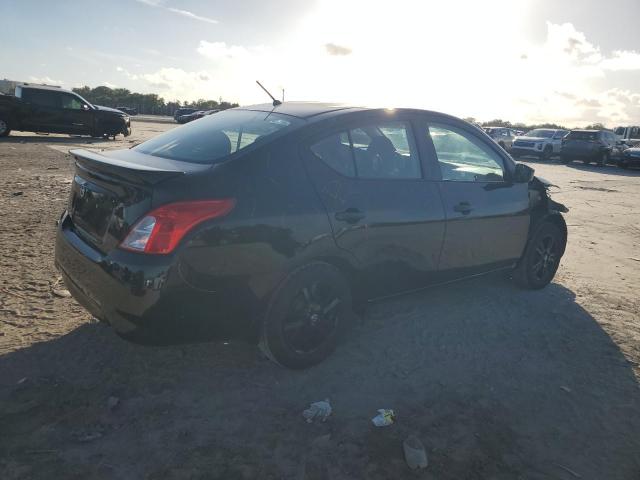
276,225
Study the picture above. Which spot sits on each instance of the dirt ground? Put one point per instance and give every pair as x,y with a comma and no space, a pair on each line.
497,382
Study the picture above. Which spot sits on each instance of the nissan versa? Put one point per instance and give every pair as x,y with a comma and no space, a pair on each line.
269,222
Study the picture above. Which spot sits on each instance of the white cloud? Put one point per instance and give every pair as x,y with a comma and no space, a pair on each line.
177,11
334,49
220,50
466,68
45,80
622,60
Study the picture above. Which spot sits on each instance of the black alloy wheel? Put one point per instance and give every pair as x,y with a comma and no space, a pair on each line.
306,316
541,259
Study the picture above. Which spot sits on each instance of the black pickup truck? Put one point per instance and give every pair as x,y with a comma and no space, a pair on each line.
47,109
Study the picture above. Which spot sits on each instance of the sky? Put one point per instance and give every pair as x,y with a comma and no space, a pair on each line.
520,60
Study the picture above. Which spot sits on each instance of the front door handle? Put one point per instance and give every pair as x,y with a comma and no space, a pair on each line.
350,215
463,208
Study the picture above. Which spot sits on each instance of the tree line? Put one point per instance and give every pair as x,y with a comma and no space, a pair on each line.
522,126
145,103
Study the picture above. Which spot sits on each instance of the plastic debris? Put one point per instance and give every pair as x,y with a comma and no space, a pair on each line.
61,292
318,411
415,453
384,418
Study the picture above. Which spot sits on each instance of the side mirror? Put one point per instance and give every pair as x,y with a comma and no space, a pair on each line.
523,174
85,107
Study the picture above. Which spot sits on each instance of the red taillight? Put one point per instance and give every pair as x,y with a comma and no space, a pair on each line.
160,230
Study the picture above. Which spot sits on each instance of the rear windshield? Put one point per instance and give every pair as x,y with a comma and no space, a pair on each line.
214,137
583,136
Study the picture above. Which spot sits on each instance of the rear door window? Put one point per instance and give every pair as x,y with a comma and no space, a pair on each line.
378,151
43,98
212,138
588,136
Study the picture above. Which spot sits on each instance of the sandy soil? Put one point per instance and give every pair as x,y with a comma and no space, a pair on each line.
497,382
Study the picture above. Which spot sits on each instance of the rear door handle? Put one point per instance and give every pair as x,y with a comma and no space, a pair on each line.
463,208
350,215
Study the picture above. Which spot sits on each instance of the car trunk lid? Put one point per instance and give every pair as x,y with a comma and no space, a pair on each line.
111,190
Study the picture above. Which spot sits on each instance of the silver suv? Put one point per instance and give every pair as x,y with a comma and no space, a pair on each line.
503,136
541,142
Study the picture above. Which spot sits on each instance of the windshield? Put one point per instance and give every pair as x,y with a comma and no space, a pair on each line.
214,137
540,133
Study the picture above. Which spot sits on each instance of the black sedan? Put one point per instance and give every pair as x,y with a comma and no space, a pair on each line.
270,222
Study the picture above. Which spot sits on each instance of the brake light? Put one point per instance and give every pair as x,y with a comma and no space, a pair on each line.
161,230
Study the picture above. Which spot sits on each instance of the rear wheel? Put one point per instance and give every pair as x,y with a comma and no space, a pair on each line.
604,159
5,129
541,258
306,316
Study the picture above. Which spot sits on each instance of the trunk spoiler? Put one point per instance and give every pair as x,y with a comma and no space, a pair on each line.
133,166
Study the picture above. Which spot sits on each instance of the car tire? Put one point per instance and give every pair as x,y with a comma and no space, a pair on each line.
546,153
541,258
5,128
604,159
565,159
623,164
306,315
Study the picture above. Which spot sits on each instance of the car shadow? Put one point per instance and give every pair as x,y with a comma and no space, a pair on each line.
497,382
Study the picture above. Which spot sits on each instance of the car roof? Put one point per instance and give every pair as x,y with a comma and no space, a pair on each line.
43,87
315,111
303,109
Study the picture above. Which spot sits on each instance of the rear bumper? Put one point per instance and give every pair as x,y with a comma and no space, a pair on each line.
142,297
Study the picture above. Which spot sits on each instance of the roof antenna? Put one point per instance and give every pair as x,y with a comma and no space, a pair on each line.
276,102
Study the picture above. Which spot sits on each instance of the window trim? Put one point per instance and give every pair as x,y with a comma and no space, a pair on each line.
483,145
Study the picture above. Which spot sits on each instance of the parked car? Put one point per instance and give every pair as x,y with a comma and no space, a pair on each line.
183,111
501,135
128,110
195,115
630,157
541,142
46,109
596,146
268,222
628,135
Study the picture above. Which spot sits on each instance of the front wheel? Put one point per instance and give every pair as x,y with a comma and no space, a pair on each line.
541,258
546,154
306,316
5,130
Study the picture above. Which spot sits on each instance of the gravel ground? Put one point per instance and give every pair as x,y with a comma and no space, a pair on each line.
497,382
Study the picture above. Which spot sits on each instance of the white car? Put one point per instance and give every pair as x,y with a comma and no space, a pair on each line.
541,142
503,136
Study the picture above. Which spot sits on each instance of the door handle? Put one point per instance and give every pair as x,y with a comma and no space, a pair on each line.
463,208
350,215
